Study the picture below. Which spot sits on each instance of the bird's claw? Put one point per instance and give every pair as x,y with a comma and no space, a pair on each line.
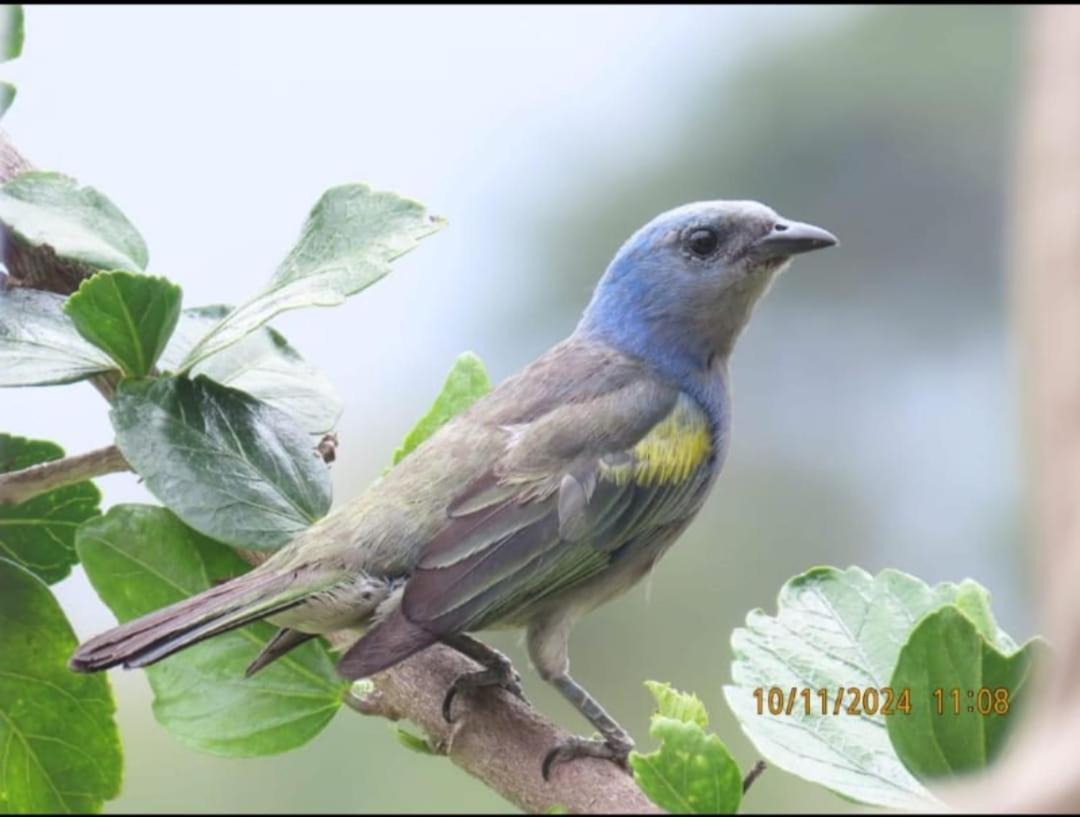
617,750
503,676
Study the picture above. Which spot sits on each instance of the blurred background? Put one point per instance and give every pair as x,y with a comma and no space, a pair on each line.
875,399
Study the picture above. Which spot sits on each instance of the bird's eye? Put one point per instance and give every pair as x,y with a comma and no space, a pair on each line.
703,242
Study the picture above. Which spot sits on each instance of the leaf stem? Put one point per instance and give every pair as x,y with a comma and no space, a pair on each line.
753,775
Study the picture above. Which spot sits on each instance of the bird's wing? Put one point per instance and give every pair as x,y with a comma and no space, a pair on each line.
572,489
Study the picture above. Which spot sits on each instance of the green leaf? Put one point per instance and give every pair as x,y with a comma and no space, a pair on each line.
973,600
12,31
412,742
264,365
692,772
49,209
129,316
39,534
835,628
682,706
7,96
229,465
347,244
59,747
947,652
38,342
466,383
141,558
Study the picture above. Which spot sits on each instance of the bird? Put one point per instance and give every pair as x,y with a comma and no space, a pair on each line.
552,494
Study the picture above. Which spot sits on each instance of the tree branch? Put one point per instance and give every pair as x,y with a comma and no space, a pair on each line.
496,738
500,740
19,486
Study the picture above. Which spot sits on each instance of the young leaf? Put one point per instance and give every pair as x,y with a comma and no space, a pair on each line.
128,316
347,244
264,365
412,742
229,465
12,31
973,601
59,747
78,223
141,558
946,652
38,342
39,534
834,629
466,383
682,706
692,772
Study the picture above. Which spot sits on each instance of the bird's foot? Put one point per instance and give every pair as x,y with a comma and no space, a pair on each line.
498,673
616,749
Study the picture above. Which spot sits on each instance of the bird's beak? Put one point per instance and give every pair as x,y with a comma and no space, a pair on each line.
791,238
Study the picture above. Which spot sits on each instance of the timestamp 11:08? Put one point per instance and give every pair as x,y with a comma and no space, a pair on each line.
877,701
981,701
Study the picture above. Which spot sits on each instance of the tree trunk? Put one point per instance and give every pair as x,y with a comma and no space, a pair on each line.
1040,772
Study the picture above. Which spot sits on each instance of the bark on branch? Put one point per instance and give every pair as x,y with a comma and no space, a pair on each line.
496,738
19,486
500,740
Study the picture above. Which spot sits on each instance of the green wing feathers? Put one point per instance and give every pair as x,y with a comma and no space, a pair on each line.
519,536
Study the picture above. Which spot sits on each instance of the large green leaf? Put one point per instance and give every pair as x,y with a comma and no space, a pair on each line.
59,748
836,629
12,31
347,244
141,558
943,735
264,365
49,209
229,465
692,772
128,316
38,342
39,534
466,383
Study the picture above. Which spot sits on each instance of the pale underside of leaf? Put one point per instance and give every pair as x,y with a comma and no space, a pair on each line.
39,344
264,365
834,629
347,243
50,209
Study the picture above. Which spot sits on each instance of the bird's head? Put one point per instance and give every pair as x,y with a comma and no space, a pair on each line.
682,287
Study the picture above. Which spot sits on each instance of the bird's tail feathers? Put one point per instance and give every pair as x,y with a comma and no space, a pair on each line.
159,634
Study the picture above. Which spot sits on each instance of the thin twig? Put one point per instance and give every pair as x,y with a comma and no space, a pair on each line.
20,486
753,775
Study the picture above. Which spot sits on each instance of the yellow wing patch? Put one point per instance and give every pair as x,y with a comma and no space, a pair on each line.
670,452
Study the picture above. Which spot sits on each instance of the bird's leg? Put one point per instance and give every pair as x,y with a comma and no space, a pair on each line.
548,639
616,744
497,671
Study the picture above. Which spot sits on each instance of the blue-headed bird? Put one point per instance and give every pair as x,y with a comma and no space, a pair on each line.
554,493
